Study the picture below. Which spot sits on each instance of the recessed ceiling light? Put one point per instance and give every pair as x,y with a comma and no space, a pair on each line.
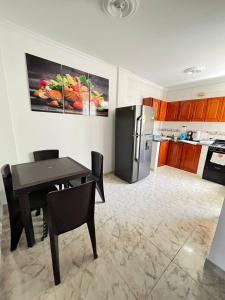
120,8
194,70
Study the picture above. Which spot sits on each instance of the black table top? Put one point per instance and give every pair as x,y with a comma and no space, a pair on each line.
28,176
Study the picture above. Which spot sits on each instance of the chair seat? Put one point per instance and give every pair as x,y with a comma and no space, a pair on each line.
38,199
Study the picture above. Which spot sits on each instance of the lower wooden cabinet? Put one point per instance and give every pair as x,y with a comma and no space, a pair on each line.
174,154
190,157
179,155
163,151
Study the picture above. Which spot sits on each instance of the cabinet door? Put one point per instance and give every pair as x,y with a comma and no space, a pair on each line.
222,117
156,105
199,110
186,110
162,114
148,101
214,109
174,154
163,151
172,111
190,157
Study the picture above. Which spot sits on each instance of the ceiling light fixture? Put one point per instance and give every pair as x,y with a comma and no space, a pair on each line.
120,8
194,70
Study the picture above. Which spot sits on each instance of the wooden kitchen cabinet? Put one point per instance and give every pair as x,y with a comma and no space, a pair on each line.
163,108
174,154
163,151
186,110
156,106
190,157
214,109
148,101
172,111
222,116
155,103
199,110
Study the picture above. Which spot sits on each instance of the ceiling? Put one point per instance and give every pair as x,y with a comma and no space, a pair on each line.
158,43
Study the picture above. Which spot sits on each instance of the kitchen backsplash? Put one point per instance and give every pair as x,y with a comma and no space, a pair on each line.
208,130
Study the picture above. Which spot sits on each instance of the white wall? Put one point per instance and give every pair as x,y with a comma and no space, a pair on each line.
132,89
7,149
211,88
73,135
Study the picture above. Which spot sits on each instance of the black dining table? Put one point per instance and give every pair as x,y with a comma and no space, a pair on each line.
33,176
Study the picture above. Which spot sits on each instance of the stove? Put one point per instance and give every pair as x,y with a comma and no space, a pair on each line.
214,169
218,145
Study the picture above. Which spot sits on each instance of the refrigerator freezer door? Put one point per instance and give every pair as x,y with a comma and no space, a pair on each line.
147,120
145,156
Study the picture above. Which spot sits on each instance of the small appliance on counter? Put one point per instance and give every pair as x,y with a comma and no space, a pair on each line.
197,135
190,135
183,133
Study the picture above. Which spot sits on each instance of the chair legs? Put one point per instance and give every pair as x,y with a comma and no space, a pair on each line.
16,231
55,256
91,229
100,188
45,230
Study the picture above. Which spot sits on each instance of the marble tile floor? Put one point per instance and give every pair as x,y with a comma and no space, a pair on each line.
152,236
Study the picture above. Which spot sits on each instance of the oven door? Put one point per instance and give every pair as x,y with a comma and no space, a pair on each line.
213,171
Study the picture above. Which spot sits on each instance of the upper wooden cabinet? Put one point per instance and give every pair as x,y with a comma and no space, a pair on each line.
172,111
155,103
174,154
148,101
186,110
222,116
156,106
199,110
214,109
163,151
190,157
162,114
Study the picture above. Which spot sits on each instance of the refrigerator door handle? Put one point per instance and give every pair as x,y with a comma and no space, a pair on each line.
138,138
137,147
138,129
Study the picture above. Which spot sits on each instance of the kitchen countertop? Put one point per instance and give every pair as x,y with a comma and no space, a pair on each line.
204,143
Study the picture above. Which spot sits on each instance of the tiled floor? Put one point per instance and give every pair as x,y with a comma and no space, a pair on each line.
152,238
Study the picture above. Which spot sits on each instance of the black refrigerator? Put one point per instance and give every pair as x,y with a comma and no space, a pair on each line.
133,142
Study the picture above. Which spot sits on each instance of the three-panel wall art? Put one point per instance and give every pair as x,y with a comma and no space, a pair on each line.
61,89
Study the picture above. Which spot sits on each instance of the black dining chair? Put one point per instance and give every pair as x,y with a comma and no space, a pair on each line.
44,155
97,173
37,200
66,210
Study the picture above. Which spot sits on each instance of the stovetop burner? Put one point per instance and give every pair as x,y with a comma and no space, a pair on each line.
218,144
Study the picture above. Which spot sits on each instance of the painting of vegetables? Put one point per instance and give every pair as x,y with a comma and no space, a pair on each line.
46,93
99,91
76,87
62,89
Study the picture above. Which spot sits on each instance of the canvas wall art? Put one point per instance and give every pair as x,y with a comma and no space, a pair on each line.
57,88
45,87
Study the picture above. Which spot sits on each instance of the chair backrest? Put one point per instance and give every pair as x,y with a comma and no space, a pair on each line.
97,164
13,205
46,154
70,208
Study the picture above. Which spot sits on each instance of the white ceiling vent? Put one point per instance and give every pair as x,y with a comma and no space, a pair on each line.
120,8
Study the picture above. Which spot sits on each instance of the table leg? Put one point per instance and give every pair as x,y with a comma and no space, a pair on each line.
83,180
27,219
